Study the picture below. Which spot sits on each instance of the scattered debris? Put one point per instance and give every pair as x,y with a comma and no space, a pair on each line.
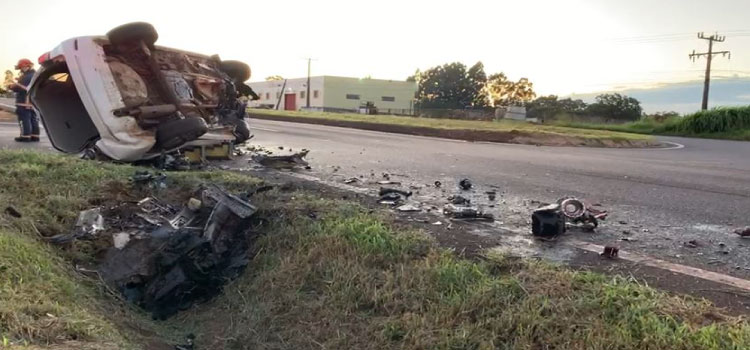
390,198
120,240
388,182
743,232
170,269
628,239
491,195
283,162
152,180
437,223
466,212
626,232
547,221
88,224
646,230
408,208
351,180
578,212
10,210
386,190
465,184
189,343
610,252
438,184
622,222
171,161
459,200
692,244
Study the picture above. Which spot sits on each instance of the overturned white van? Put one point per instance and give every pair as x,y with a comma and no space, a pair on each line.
129,100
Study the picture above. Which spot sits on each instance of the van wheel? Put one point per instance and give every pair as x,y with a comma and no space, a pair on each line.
239,71
175,133
133,32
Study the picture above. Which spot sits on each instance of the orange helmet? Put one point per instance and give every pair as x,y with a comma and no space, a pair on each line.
24,63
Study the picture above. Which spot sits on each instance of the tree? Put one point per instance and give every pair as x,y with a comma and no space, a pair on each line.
616,106
503,92
274,77
547,107
450,86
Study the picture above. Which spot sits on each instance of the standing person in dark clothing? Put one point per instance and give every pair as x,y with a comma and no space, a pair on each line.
26,116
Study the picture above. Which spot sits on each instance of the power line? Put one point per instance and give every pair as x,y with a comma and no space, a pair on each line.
709,56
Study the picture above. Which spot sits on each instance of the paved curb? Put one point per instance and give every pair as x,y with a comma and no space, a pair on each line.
513,136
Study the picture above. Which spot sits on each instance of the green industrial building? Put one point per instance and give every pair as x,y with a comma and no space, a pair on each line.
337,94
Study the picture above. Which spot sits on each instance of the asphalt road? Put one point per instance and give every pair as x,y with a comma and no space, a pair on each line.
659,199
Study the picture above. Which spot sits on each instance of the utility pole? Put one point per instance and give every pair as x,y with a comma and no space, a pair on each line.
709,55
308,82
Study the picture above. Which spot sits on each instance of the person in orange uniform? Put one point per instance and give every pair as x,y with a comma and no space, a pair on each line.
24,110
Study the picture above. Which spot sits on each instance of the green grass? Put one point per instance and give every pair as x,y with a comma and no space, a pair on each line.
729,123
346,280
343,278
41,299
454,124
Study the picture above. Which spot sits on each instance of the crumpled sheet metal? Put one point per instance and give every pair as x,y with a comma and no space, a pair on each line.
173,268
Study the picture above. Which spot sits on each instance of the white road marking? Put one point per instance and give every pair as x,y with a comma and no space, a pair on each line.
263,129
665,265
675,145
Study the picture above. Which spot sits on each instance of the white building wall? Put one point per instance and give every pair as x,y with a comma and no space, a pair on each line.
269,92
339,93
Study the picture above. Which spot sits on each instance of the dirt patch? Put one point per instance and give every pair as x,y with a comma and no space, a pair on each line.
513,136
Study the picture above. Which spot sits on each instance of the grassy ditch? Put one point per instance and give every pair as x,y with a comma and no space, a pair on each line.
327,274
728,123
501,126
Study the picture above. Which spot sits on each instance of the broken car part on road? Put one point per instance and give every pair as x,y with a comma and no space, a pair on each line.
550,220
284,161
466,212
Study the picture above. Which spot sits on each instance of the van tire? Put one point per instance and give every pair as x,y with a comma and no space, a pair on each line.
175,133
131,32
237,70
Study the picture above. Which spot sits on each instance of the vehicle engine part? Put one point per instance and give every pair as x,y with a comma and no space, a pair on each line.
548,221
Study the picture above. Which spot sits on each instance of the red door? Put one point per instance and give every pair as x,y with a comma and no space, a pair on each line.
290,102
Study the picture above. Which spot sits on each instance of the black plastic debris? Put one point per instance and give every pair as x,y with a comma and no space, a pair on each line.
547,221
386,190
10,210
283,162
438,184
465,184
459,200
466,212
155,180
743,232
491,195
175,266
610,252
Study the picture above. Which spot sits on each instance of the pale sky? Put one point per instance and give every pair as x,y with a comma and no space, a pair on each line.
562,46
